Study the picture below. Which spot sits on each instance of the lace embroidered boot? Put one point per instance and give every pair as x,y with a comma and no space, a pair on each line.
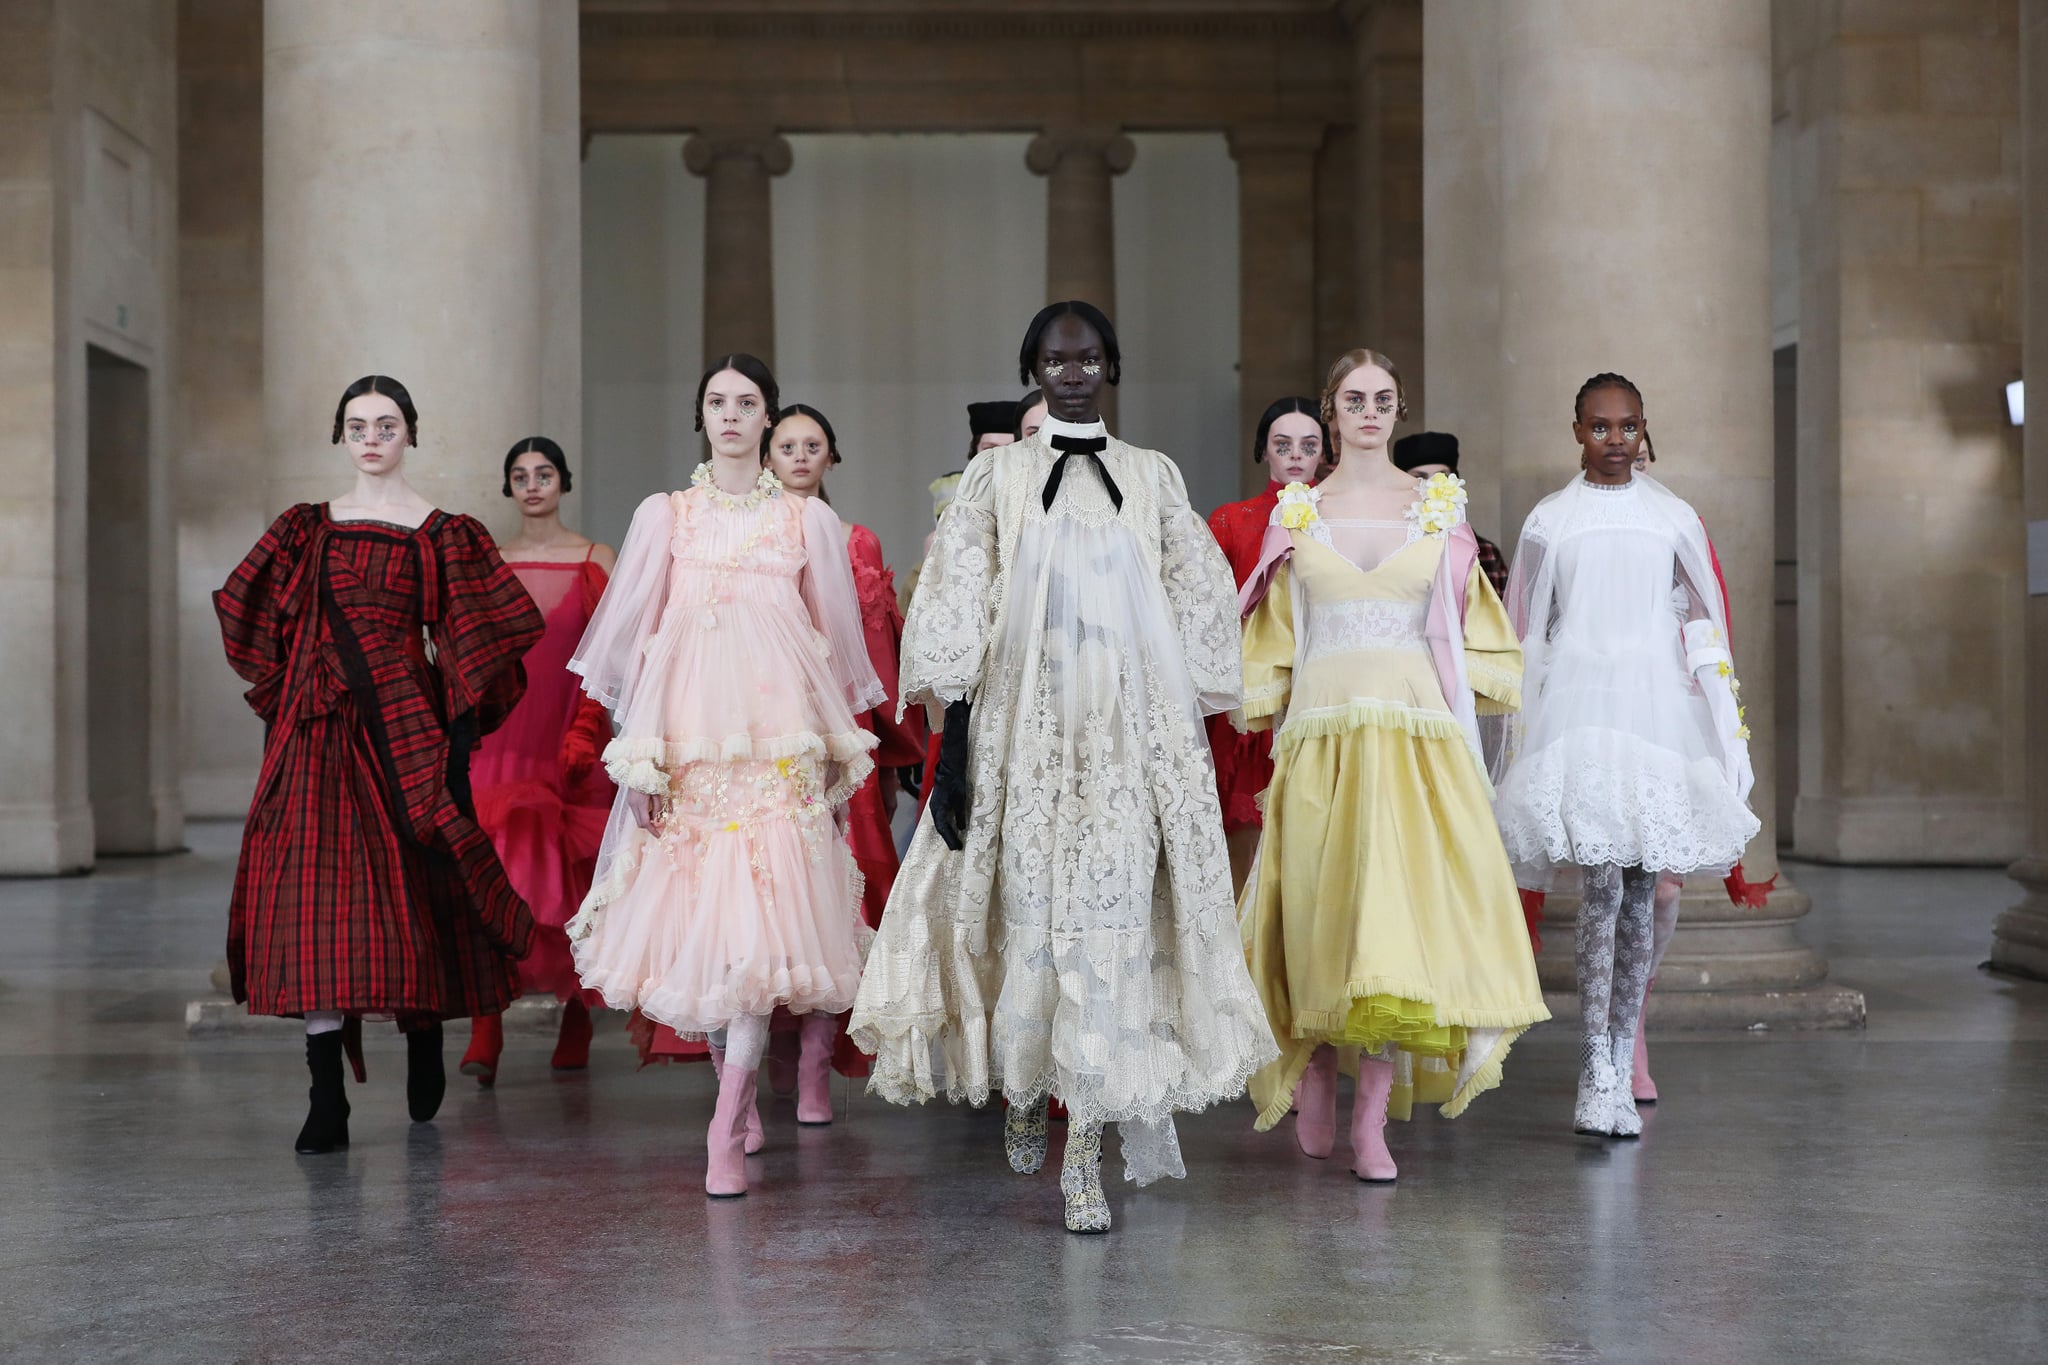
1081,1179
1370,1159
1626,1122
1315,1103
1640,1085
326,1127
1024,1137
1594,1113
752,1137
814,1070
426,1075
725,1143
486,1043
572,1041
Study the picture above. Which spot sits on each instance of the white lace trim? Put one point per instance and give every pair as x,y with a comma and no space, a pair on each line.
1365,623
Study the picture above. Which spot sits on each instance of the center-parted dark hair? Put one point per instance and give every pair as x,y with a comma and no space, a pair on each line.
540,445
1027,354
752,368
805,410
1609,380
1307,407
1024,407
390,388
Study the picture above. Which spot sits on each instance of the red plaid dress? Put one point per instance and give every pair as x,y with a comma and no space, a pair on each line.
365,884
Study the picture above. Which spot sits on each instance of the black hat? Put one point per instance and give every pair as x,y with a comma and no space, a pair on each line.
1427,447
991,419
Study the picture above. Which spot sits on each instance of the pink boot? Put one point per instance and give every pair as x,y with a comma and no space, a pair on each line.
1370,1159
814,1069
725,1165
755,1139
1639,1082
1315,1103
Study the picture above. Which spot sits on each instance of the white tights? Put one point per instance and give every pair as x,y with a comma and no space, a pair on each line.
744,1040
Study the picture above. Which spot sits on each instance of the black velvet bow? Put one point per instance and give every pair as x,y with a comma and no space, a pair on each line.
1092,447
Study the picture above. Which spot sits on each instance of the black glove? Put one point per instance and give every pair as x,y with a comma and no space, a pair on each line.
950,797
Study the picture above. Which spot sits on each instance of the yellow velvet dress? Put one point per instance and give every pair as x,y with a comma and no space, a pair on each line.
1381,908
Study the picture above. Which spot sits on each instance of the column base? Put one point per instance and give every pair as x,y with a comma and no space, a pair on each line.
2019,940
218,1016
40,840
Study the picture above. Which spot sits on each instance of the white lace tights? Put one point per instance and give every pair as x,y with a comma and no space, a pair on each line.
745,1040
1615,948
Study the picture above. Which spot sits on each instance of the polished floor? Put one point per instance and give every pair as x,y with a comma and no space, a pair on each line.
1876,1196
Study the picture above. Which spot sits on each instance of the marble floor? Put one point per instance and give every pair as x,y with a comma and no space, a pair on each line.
1875,1196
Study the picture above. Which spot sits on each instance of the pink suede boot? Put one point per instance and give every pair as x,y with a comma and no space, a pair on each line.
754,1138
814,1069
1370,1159
1315,1103
725,1164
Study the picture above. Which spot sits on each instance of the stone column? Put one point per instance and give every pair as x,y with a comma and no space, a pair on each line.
561,239
739,246
1080,217
2020,941
1387,90
1276,275
402,234
1662,273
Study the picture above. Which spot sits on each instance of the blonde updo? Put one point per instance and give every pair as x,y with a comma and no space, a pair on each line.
1346,363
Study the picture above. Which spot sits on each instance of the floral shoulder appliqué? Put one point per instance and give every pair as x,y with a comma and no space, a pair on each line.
1441,506
1296,509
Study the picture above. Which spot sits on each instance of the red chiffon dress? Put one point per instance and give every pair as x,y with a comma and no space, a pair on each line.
545,824
1244,762
376,655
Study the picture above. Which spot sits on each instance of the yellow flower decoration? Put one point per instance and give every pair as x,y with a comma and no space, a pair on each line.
1297,507
1742,733
1441,505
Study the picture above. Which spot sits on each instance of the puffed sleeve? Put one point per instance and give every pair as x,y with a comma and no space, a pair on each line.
902,742
828,591
1201,594
610,655
1493,656
1269,652
946,636
487,624
258,609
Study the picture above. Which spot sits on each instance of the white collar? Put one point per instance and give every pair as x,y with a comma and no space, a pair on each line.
1075,431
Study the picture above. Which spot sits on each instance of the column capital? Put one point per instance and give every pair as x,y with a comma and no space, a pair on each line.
1261,139
1107,145
712,145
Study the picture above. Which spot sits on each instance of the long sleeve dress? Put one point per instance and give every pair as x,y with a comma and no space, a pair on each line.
546,825
376,655
1381,908
1244,759
899,740
1083,941
729,651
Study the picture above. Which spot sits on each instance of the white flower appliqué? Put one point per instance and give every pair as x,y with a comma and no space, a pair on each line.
1441,506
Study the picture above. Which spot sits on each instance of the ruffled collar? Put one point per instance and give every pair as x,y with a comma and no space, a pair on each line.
1077,430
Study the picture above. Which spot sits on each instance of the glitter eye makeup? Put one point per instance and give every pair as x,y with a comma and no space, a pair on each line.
1091,368
1354,403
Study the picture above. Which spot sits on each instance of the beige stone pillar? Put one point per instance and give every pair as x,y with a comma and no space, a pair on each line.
739,259
1662,273
2020,941
1080,217
402,233
561,238
1276,275
1387,85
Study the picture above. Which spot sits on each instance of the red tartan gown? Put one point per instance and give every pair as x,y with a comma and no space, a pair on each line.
1244,763
365,884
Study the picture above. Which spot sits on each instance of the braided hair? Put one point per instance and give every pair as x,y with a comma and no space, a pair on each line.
1607,379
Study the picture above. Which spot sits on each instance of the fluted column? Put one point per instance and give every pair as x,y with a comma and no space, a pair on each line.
1276,274
2020,941
1662,273
739,245
401,217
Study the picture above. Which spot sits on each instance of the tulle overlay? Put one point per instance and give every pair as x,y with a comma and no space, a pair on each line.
1380,912
1083,941
734,670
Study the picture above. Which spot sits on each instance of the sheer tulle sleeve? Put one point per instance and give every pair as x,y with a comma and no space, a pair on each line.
835,606
952,615
610,656
1531,608
1269,652
1493,653
1202,595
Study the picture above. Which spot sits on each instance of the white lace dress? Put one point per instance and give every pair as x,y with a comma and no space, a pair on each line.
1614,758
1084,941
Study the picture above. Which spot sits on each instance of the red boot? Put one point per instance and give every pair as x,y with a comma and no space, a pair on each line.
1315,1103
572,1044
814,1069
725,1168
783,1056
486,1041
753,1137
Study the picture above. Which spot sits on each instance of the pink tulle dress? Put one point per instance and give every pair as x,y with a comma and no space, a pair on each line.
545,825
729,651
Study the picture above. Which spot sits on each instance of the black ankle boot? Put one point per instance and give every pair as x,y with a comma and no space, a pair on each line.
326,1127
426,1079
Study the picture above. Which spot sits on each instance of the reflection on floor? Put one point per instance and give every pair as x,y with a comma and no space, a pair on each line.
1820,1197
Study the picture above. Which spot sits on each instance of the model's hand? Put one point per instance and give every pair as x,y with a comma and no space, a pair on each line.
950,794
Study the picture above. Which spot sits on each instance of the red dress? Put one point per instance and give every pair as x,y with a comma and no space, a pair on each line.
545,826
365,884
1244,763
